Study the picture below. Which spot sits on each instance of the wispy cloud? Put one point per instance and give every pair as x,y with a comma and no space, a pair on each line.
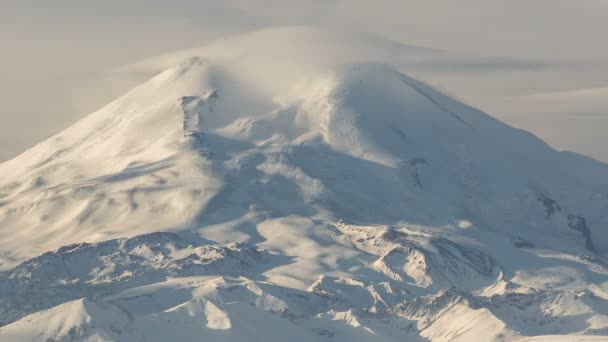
55,54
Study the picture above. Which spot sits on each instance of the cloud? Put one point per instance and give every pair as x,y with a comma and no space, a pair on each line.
56,54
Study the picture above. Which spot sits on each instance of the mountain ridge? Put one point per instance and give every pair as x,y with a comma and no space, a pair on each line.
356,203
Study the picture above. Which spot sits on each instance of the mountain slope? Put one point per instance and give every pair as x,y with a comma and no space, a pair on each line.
349,203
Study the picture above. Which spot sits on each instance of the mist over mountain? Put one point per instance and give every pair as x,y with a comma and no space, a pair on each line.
259,194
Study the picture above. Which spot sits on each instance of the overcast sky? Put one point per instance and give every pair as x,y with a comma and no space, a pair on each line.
56,55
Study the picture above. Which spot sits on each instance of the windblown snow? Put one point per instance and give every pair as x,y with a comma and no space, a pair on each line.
347,202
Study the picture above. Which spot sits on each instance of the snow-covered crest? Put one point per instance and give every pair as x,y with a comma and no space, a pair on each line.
445,213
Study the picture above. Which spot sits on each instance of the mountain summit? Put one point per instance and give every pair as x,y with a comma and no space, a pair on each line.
347,201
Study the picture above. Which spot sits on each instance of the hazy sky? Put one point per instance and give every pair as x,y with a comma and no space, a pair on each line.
56,54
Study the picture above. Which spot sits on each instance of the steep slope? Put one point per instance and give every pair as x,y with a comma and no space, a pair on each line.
348,203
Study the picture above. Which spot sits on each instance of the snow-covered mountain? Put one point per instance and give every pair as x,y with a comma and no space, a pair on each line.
221,201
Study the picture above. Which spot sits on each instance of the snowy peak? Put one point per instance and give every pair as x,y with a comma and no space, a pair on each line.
338,201
76,320
186,131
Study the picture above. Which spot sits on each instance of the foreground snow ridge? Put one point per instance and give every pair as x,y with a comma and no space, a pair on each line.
346,203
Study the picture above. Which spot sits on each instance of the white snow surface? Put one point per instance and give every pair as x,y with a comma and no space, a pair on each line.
224,200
